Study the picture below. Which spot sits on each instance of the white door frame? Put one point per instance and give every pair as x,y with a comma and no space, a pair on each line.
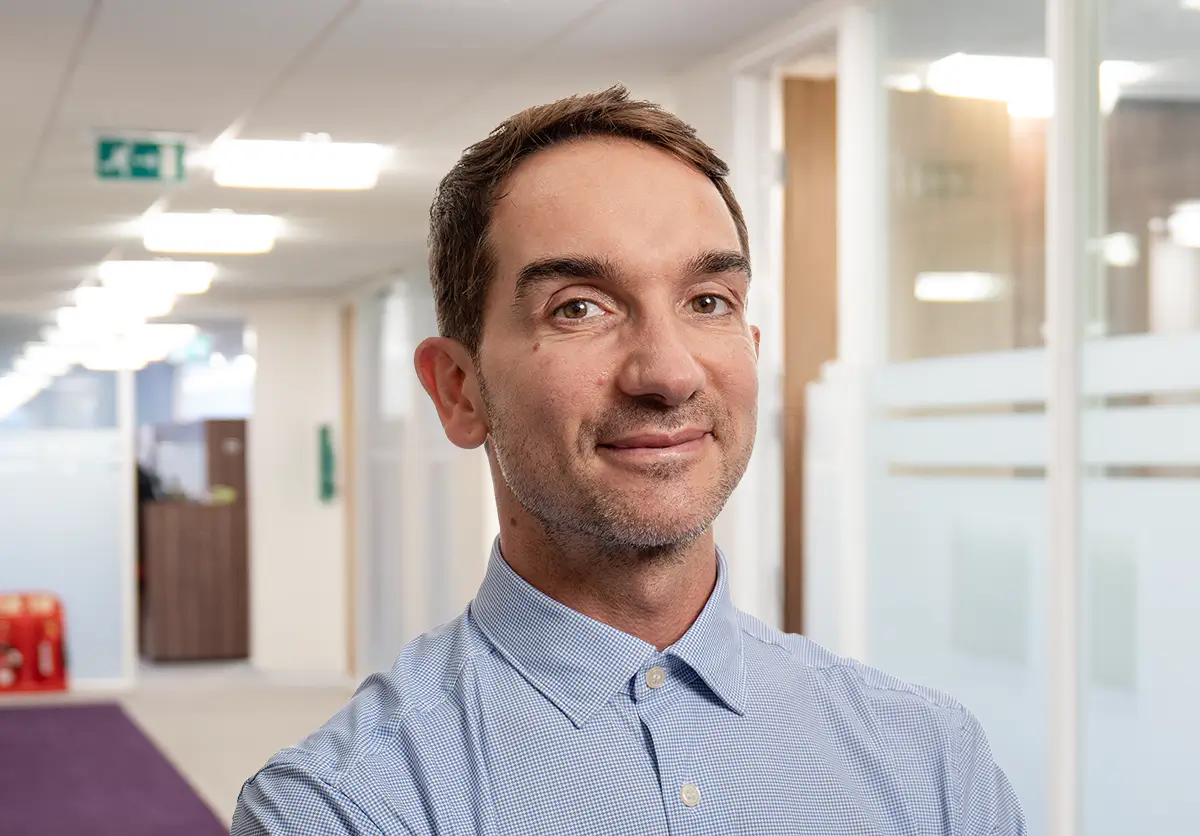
127,457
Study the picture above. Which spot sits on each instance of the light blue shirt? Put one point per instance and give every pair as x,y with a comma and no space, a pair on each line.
524,717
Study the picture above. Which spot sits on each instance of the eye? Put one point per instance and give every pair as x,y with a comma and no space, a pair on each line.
710,304
578,309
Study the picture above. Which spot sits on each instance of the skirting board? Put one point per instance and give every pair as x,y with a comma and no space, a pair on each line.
101,684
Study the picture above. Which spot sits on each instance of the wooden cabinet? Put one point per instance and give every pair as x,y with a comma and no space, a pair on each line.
196,582
195,558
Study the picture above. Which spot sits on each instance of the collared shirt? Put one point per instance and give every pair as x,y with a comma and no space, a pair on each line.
524,717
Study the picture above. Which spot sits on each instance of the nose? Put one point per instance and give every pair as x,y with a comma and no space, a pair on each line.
661,364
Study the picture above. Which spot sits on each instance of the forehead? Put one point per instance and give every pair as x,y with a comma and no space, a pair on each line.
626,200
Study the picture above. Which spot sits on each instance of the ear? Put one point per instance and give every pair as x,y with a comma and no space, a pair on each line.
448,375
757,337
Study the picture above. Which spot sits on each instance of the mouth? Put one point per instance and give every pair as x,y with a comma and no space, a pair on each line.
658,445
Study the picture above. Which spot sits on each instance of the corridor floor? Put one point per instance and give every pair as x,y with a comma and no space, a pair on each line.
218,723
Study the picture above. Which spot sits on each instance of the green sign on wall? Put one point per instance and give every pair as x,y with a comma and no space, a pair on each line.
327,488
131,159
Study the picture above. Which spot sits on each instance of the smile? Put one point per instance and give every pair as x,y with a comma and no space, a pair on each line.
678,444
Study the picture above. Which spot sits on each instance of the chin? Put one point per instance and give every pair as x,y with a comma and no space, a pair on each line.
642,530
652,545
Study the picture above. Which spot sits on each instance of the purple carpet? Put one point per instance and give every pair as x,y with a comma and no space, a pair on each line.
71,770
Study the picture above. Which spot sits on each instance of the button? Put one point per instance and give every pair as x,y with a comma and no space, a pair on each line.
690,795
656,677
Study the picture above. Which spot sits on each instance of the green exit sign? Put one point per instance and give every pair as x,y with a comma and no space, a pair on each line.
133,159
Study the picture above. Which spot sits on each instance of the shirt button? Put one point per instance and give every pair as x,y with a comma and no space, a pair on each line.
656,677
690,795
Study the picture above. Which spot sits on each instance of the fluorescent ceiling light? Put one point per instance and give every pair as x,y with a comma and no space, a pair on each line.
182,277
209,232
1184,224
308,164
105,302
137,348
1190,4
960,287
1025,84
907,83
1121,249
1115,76
157,341
114,357
77,327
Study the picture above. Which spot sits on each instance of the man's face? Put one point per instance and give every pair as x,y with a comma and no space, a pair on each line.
617,368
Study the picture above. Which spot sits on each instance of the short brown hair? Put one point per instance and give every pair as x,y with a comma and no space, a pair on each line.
461,263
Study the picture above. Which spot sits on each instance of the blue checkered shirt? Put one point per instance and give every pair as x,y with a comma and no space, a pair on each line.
524,717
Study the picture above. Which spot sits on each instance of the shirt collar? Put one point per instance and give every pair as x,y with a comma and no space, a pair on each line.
579,663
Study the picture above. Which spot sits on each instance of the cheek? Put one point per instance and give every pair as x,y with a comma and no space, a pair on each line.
553,392
736,375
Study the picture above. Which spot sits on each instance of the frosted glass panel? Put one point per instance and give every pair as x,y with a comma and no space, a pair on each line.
60,531
958,561
956,601
1141,573
381,627
1141,730
1141,535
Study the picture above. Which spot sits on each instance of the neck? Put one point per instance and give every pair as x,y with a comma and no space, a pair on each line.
655,598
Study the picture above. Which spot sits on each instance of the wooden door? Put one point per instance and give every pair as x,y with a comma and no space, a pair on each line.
809,297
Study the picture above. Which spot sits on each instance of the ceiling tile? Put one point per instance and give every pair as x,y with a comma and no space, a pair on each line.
394,67
666,36
187,66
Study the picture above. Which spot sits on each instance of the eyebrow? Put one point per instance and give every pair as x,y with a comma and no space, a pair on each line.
711,263
716,262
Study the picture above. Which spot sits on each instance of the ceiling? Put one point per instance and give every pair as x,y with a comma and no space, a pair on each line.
427,76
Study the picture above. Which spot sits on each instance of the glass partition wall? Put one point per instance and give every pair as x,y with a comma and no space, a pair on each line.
1140,431
957,494
1032,481
66,489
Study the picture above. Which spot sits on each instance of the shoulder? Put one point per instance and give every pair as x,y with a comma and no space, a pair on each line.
858,697
390,719
921,737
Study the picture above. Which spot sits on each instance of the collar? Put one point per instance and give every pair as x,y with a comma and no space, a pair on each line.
579,663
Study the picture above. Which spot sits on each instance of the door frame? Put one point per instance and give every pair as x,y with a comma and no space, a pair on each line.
753,524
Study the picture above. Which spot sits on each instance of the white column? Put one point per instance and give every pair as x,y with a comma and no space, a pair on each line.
297,549
1072,192
862,295
127,427
862,188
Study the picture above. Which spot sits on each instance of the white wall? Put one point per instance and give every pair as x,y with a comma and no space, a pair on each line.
297,549
428,516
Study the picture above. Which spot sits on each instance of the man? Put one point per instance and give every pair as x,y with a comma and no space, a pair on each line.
590,271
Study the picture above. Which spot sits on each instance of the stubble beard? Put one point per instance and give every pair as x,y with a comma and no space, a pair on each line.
606,522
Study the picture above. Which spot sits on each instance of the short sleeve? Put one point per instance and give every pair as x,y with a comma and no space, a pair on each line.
987,804
286,800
